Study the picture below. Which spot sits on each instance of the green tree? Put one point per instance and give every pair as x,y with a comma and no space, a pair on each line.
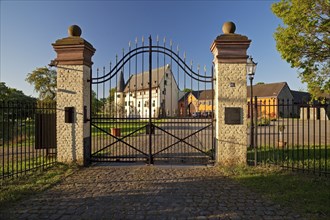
112,92
187,90
260,83
13,95
304,40
96,103
44,81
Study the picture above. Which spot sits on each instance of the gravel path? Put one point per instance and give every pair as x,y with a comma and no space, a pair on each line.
147,192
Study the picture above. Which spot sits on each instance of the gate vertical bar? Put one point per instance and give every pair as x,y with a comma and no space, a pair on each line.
214,153
150,97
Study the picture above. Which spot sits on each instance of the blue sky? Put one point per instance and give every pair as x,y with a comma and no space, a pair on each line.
28,28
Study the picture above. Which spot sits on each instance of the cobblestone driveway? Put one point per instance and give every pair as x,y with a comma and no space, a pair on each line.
143,192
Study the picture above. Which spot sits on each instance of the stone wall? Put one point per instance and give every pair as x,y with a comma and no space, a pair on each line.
73,91
232,139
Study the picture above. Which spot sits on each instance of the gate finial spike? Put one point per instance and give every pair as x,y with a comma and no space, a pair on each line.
205,68
164,40
171,42
136,40
184,55
129,44
142,39
157,39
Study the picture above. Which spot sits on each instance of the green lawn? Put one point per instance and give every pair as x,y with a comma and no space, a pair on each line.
17,132
306,194
17,166
297,156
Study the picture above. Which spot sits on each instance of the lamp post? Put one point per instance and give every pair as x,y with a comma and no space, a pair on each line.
251,69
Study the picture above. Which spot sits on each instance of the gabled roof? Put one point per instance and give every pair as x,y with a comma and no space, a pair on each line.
140,81
206,95
301,97
199,95
266,90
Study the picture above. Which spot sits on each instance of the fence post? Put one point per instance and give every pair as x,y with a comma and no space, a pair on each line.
73,62
255,132
229,50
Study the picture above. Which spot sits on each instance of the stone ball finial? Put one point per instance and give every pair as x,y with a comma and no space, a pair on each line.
74,31
228,27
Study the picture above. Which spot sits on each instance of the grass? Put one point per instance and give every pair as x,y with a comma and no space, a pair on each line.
17,167
309,158
307,195
15,189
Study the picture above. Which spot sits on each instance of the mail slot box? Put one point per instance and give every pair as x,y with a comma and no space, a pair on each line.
69,114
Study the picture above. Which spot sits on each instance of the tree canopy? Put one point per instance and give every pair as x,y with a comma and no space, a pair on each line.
187,90
44,81
304,41
12,94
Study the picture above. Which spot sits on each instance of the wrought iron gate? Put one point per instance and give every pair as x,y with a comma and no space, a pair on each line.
155,115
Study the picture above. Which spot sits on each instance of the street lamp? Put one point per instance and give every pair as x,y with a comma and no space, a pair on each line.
251,69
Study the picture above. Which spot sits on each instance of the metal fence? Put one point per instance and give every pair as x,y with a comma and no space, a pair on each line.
27,137
292,135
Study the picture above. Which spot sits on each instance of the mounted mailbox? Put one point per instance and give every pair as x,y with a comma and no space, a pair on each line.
69,114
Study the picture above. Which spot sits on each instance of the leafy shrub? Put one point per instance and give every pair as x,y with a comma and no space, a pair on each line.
263,121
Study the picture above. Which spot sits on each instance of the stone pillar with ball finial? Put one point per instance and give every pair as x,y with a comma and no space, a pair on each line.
230,57
73,62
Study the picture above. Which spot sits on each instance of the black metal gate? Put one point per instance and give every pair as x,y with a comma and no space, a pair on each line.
152,107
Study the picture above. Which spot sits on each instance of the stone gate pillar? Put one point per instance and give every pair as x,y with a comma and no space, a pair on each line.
229,50
73,62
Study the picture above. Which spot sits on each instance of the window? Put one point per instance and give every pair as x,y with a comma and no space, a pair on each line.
153,103
139,104
126,103
118,96
165,82
166,74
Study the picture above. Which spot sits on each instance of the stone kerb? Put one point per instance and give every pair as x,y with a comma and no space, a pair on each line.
229,50
73,64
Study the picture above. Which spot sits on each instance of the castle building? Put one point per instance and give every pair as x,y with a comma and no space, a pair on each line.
132,98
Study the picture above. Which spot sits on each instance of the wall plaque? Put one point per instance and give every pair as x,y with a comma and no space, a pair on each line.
233,116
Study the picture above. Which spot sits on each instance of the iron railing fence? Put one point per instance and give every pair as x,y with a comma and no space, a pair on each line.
292,135
27,137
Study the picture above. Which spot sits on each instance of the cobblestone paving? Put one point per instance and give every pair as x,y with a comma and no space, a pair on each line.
146,192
